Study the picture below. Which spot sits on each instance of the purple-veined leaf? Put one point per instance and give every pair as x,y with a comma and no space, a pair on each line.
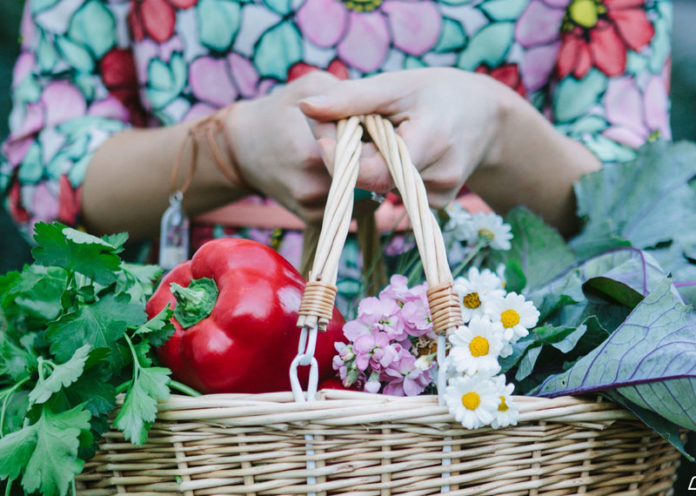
650,360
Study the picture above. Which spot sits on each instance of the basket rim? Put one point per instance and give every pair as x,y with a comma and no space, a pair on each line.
340,408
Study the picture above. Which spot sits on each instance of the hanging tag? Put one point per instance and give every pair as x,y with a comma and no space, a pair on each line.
174,234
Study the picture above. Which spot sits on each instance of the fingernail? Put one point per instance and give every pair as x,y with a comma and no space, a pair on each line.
315,101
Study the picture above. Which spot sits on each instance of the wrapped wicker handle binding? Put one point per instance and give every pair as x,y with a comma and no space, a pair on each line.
320,293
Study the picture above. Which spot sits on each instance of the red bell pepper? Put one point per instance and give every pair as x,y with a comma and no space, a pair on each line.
235,313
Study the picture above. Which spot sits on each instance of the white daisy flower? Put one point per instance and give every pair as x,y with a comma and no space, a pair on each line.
508,412
458,228
473,401
491,229
475,289
475,348
516,314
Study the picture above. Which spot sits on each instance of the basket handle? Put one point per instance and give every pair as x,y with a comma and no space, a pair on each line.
319,296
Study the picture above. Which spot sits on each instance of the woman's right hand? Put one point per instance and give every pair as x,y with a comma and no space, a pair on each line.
275,148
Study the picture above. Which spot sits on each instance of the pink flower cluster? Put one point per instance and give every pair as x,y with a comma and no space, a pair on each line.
385,339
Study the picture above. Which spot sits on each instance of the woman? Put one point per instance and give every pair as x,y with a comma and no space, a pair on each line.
532,94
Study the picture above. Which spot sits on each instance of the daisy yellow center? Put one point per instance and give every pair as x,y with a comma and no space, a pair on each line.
503,406
479,346
471,400
472,300
585,13
510,318
486,234
362,5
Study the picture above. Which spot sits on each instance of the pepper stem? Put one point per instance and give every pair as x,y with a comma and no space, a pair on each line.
195,302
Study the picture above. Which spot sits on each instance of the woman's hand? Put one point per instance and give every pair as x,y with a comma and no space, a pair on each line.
275,148
450,120
464,127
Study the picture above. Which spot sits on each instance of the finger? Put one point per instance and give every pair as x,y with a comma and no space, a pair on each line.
374,173
424,145
354,97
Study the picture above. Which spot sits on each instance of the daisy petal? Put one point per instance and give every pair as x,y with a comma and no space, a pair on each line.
568,55
624,105
538,24
366,43
623,4
406,18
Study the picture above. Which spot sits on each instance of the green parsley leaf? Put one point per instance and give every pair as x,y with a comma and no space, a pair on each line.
99,324
76,252
46,451
158,329
140,406
40,290
61,377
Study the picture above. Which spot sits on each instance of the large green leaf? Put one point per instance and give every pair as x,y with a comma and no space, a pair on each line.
538,249
650,360
647,201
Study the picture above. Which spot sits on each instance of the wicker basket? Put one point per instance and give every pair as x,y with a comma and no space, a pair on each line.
354,443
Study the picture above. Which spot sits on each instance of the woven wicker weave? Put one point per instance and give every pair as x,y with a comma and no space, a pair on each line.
379,445
361,444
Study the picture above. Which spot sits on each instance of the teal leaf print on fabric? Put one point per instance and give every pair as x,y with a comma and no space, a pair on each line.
635,63
85,83
452,36
661,43
75,54
31,170
94,26
456,2
413,63
218,23
39,5
281,7
77,172
574,97
28,90
46,55
165,81
279,48
489,46
504,10
607,150
588,124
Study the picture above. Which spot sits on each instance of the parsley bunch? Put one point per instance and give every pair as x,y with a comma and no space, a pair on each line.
74,334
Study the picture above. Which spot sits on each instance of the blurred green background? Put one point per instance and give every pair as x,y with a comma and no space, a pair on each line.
14,251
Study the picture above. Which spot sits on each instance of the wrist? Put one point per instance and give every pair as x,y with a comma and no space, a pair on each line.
508,109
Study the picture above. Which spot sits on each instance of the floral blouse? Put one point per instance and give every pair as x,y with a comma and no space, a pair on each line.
598,69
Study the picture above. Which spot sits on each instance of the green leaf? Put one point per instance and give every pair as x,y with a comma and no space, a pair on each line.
537,248
140,405
74,251
666,429
61,377
15,411
39,291
138,280
95,392
158,329
514,276
647,201
526,365
649,360
100,325
46,452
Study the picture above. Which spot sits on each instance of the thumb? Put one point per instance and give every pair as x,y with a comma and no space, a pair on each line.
348,98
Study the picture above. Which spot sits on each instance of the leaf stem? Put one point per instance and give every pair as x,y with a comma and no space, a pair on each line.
183,388
462,266
7,393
